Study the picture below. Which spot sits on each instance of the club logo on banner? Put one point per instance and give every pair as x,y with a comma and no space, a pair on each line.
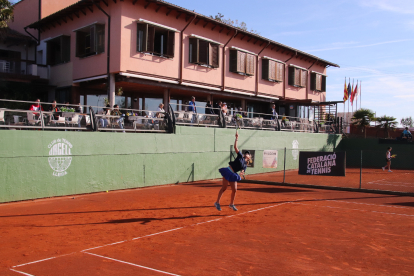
295,152
322,163
270,159
60,156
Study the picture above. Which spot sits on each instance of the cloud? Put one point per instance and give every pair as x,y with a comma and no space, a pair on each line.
358,46
395,6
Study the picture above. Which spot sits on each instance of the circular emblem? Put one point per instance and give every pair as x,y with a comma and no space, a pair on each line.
60,156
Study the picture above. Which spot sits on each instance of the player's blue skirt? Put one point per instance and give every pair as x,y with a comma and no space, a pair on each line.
229,175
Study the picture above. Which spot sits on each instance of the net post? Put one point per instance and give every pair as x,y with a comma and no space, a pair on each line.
360,173
284,166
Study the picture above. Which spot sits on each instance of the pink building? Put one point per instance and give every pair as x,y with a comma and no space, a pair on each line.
140,53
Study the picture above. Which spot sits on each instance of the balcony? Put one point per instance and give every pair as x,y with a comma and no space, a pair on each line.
23,70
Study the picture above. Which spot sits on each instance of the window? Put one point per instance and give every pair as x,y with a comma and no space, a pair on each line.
241,62
155,40
90,40
204,52
318,82
297,76
58,50
272,70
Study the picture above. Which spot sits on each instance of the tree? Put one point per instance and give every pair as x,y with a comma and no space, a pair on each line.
363,118
407,122
235,23
386,123
6,13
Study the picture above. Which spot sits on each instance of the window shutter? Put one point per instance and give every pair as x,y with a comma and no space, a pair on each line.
241,62
203,49
92,38
142,37
313,80
234,61
170,44
304,75
80,44
215,55
150,39
193,50
319,82
65,44
265,69
250,64
100,38
272,70
297,76
280,67
323,84
49,56
291,77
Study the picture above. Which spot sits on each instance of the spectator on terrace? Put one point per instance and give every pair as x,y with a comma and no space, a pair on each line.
53,107
36,106
224,108
192,105
161,111
209,109
217,107
272,113
104,119
116,112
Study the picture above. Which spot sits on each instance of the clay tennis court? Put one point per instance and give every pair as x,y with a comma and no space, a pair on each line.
175,230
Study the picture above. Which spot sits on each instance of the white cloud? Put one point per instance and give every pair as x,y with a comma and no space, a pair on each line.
396,6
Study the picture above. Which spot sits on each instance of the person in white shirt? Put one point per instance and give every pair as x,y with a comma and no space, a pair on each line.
388,157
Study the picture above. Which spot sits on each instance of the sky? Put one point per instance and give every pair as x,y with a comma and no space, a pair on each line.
371,40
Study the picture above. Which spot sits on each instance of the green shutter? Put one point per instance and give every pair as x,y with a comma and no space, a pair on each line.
233,61
100,38
65,44
265,69
170,44
291,78
194,50
215,55
313,81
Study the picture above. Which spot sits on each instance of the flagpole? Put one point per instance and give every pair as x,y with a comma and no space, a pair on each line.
352,96
360,93
356,100
345,117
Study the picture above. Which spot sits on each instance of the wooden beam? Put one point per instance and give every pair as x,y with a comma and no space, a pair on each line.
115,1
244,37
158,8
222,29
228,31
90,8
133,3
188,17
255,41
77,14
249,39
84,13
198,20
215,25
147,5
70,17
64,19
104,1
205,24
261,44
58,21
278,49
178,15
168,12
273,47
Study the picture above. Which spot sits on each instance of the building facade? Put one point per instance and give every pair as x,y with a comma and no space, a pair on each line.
139,53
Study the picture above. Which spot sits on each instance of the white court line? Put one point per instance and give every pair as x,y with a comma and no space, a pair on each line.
371,204
164,272
24,273
84,251
334,207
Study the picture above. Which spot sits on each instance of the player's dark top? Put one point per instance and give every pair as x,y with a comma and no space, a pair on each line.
239,163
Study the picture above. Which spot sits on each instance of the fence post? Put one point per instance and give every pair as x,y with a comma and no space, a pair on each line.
284,167
360,173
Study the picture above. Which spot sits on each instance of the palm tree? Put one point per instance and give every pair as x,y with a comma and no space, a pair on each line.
6,12
387,123
362,118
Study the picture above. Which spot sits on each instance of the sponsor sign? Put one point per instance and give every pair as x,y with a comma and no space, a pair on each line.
270,159
322,163
60,156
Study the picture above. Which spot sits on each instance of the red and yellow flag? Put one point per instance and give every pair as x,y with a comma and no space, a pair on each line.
345,92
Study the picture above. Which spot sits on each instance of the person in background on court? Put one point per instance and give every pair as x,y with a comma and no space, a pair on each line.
192,108
406,134
388,157
230,176
116,112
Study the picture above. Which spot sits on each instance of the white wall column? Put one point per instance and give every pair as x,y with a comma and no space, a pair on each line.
111,90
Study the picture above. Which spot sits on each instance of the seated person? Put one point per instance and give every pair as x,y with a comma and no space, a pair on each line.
406,134
36,107
116,112
53,107
104,119
160,111
209,108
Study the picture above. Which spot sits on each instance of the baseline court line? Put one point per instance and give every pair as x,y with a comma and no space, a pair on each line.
164,272
158,233
51,258
104,245
24,273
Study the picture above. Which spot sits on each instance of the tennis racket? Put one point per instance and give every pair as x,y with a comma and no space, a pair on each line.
239,121
394,155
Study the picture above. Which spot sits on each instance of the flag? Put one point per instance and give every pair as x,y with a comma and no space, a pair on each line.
354,93
345,92
349,89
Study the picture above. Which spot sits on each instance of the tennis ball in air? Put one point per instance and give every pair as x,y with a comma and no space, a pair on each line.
106,191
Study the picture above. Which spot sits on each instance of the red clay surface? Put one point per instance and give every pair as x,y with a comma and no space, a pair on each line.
175,230
376,179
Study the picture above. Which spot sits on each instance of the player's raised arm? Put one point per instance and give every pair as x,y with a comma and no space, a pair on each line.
235,143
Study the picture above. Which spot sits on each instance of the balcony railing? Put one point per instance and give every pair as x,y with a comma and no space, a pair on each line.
24,68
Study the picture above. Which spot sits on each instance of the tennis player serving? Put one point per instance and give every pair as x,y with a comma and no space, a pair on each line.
230,176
